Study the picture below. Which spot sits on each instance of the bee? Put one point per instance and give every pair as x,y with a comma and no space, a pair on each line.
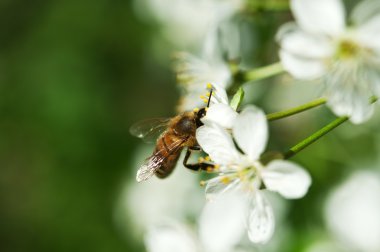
174,135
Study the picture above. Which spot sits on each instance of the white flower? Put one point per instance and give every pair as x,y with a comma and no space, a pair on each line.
203,26
186,23
243,174
221,224
170,237
352,212
143,205
220,111
176,237
194,73
320,45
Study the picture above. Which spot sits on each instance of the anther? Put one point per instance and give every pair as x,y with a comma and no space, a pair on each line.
202,183
225,180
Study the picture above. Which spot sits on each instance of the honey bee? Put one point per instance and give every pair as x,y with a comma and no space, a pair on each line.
173,136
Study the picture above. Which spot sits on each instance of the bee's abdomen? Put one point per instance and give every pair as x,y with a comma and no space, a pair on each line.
169,165
167,152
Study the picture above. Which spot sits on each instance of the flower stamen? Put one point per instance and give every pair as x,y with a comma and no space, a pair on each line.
225,180
347,49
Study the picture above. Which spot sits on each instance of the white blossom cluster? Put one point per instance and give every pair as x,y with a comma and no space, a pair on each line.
235,142
320,44
323,43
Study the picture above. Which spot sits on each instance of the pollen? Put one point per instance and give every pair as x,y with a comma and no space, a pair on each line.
225,180
207,158
241,174
205,100
202,183
216,167
201,160
209,85
196,110
210,169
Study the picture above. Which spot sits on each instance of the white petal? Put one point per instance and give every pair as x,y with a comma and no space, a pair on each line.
302,54
230,38
219,72
349,89
352,211
221,114
190,100
220,185
319,16
222,222
374,81
223,40
302,68
170,237
286,178
260,220
219,94
305,45
194,73
216,142
251,131
369,34
356,109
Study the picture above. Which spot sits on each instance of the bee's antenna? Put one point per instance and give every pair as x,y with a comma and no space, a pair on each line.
209,99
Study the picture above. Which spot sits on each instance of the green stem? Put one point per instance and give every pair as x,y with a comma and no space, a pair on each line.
263,72
320,133
296,110
314,137
240,77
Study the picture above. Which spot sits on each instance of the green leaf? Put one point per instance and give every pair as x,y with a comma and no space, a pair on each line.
237,99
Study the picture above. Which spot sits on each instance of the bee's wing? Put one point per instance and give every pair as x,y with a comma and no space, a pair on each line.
149,167
149,130
154,162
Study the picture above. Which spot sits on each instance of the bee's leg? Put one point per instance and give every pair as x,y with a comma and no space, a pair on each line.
198,166
195,148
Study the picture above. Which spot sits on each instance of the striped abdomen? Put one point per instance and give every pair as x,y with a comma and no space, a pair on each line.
168,148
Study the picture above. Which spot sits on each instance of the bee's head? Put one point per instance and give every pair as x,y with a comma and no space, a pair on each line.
199,115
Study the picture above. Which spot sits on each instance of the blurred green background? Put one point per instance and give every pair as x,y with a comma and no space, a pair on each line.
74,75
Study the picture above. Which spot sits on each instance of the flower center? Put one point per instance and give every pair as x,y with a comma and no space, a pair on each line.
249,178
347,49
